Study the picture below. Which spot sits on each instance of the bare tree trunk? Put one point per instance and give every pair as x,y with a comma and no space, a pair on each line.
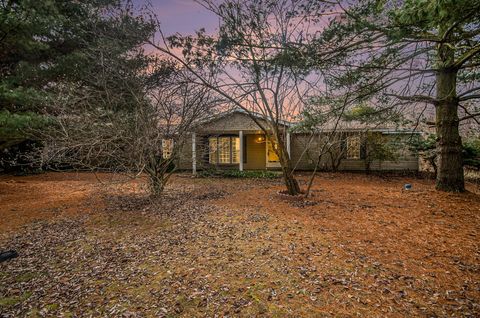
291,183
293,188
156,185
158,174
449,144
312,177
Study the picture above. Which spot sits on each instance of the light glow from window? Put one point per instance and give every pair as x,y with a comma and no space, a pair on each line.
224,150
167,148
353,147
271,154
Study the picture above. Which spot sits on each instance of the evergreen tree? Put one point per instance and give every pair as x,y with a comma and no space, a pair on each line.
413,53
50,46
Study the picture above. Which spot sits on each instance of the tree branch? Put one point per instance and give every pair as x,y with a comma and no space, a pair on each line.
466,56
416,98
474,96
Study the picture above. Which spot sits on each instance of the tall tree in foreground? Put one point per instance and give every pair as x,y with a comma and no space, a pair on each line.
251,63
144,138
414,53
49,46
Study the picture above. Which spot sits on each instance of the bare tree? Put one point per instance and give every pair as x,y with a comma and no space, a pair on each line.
176,108
253,63
145,138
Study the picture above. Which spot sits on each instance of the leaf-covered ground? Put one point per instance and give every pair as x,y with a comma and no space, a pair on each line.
230,247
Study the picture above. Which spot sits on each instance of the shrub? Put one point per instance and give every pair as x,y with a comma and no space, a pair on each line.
471,153
252,174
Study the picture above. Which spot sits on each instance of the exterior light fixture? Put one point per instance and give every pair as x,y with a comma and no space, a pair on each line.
260,139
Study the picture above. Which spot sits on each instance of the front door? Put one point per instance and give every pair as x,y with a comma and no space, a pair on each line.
271,157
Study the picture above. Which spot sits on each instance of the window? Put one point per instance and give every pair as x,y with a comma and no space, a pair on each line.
353,147
224,150
235,150
167,148
213,147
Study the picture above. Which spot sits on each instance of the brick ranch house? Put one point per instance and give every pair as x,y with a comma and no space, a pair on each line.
232,140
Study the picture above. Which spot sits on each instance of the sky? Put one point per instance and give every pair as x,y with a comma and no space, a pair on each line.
182,16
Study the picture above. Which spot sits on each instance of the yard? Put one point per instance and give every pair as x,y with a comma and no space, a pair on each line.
360,247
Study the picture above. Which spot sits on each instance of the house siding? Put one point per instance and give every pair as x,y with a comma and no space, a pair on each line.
311,146
304,151
299,142
184,161
304,148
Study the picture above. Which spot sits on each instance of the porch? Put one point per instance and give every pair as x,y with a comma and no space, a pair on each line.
242,150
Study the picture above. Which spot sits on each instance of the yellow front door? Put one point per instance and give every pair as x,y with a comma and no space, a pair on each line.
272,157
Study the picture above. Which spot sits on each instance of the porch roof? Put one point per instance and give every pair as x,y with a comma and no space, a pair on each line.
235,120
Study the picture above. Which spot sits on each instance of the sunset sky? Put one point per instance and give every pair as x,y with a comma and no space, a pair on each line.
182,16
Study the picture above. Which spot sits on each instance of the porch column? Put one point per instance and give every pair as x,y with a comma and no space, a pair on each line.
288,144
194,155
240,136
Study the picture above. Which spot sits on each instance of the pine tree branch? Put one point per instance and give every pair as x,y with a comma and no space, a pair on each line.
466,56
416,98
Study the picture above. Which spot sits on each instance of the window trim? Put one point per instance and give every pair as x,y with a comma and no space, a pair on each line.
359,145
167,143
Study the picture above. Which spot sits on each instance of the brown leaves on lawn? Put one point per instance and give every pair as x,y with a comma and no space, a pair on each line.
358,247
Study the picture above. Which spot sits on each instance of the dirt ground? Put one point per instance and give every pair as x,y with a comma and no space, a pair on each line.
360,247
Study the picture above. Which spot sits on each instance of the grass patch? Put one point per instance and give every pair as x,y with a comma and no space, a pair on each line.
34,313
12,301
25,277
52,307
